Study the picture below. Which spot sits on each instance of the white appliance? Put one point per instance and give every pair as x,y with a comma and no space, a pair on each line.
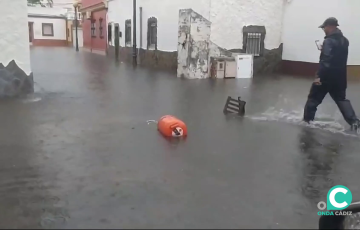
244,63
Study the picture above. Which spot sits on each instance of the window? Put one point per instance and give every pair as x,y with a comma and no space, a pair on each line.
253,44
93,28
152,33
109,33
128,32
101,28
48,29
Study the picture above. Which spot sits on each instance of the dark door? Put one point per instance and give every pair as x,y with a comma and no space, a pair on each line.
31,31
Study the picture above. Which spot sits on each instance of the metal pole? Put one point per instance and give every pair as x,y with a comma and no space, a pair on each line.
134,34
76,29
117,42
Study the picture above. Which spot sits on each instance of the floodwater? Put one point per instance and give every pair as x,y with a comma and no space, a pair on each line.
82,151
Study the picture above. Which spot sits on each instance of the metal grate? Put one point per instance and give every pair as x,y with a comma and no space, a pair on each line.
234,106
253,44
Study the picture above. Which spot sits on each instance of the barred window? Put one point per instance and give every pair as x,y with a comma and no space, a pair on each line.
93,28
101,28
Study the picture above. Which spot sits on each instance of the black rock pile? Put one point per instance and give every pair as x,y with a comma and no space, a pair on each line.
14,82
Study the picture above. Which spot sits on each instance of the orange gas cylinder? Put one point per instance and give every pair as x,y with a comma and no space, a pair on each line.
171,126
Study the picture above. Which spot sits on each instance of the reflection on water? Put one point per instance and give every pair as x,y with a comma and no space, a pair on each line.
25,200
84,144
319,158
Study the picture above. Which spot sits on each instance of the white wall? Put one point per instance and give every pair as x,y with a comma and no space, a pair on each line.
59,26
302,19
229,16
14,34
167,13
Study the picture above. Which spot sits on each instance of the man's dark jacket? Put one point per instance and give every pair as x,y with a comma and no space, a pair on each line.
333,60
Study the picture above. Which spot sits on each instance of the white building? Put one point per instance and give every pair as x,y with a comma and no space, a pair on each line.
15,51
300,30
47,26
230,21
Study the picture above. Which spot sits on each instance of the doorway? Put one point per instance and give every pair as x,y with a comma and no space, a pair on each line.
80,37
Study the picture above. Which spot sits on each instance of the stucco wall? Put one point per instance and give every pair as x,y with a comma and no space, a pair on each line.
193,45
301,29
14,34
59,27
228,17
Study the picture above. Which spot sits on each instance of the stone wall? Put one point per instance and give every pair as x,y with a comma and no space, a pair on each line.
269,63
154,59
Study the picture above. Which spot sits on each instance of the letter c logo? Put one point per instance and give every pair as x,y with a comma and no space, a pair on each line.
332,198
343,195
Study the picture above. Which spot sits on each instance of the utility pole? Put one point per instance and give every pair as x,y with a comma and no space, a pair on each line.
76,28
141,34
134,34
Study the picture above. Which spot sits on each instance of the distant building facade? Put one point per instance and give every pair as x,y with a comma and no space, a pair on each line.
47,26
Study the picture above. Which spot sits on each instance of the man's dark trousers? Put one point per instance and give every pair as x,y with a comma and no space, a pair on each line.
338,94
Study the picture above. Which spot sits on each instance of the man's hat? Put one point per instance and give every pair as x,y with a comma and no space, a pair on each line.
330,22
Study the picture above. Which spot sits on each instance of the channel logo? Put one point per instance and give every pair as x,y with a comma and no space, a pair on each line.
338,198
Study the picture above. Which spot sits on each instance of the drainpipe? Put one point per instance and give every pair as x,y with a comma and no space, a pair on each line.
76,28
134,34
141,30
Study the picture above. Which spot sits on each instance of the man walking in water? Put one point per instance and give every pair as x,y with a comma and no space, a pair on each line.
332,75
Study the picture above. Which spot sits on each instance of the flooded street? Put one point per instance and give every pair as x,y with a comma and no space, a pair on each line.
81,154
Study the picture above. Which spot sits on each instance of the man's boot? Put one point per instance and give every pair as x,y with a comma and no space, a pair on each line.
348,112
356,126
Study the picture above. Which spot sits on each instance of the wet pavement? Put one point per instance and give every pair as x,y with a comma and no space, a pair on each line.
80,153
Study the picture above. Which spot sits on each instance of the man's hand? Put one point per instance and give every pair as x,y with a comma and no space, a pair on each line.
317,81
